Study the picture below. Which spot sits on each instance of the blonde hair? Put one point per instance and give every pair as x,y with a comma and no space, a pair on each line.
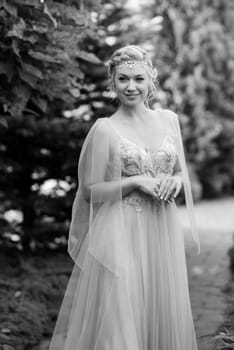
133,53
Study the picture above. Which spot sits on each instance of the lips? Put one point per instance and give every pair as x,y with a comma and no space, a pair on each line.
129,95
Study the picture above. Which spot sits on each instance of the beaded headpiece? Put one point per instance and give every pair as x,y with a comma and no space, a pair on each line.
131,63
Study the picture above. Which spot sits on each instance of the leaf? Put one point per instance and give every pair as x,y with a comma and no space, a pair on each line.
4,339
7,69
3,122
71,15
15,47
75,92
18,30
41,103
47,12
67,40
31,3
5,330
32,38
88,56
10,8
43,57
22,93
32,70
28,78
62,56
7,347
40,28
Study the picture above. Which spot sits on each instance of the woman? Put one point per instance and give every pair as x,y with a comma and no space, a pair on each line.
125,238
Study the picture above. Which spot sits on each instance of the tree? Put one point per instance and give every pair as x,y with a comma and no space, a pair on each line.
194,54
41,75
50,68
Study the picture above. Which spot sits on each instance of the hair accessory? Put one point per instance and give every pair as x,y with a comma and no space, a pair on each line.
131,63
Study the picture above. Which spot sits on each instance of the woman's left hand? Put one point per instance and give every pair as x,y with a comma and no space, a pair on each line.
169,188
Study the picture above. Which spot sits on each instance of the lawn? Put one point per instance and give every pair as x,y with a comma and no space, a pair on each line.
31,290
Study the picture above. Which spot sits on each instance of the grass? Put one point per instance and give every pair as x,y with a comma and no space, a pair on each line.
224,340
31,291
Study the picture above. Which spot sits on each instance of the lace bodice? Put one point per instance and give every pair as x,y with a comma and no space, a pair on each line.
137,160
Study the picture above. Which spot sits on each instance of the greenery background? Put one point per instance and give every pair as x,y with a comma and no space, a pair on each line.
53,87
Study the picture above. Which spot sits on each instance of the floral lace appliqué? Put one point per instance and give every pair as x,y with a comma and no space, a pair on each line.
136,200
141,161
165,158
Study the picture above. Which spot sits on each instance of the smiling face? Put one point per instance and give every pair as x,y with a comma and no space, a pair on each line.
131,84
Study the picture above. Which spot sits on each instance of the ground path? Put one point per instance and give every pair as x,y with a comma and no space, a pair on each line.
209,271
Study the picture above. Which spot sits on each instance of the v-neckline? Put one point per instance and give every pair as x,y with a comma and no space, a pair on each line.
147,150
144,148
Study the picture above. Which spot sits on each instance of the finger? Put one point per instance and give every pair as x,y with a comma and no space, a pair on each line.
155,195
177,190
163,187
158,196
158,181
163,182
170,190
153,192
173,191
163,195
156,188
169,185
170,200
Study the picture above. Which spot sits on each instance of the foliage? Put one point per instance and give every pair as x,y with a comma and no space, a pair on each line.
224,341
53,87
42,74
31,292
195,58
58,45
224,338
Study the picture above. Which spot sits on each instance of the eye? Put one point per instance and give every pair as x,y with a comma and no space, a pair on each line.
122,78
140,79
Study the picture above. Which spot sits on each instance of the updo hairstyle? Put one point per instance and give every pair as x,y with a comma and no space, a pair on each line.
133,53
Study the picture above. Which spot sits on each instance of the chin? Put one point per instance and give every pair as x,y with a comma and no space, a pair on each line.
130,103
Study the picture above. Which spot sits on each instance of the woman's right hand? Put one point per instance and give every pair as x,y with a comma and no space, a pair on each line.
147,184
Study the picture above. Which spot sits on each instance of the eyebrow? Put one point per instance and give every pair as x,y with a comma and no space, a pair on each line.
125,75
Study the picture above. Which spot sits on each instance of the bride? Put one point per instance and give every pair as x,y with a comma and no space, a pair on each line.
128,289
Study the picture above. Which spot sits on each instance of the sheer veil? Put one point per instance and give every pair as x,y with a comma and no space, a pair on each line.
176,133
99,174
96,229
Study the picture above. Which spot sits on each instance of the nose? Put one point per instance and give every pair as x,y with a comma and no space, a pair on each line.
131,86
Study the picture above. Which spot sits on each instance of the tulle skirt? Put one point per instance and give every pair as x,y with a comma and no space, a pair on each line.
147,307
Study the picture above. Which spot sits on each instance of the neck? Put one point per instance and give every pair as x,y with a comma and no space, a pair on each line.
137,113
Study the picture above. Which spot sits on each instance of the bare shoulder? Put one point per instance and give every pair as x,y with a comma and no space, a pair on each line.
168,113
99,127
102,122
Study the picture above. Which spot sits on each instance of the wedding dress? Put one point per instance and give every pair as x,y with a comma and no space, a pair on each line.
129,288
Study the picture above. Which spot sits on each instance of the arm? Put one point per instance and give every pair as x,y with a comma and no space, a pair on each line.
171,185
177,175
107,190
104,191
99,170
